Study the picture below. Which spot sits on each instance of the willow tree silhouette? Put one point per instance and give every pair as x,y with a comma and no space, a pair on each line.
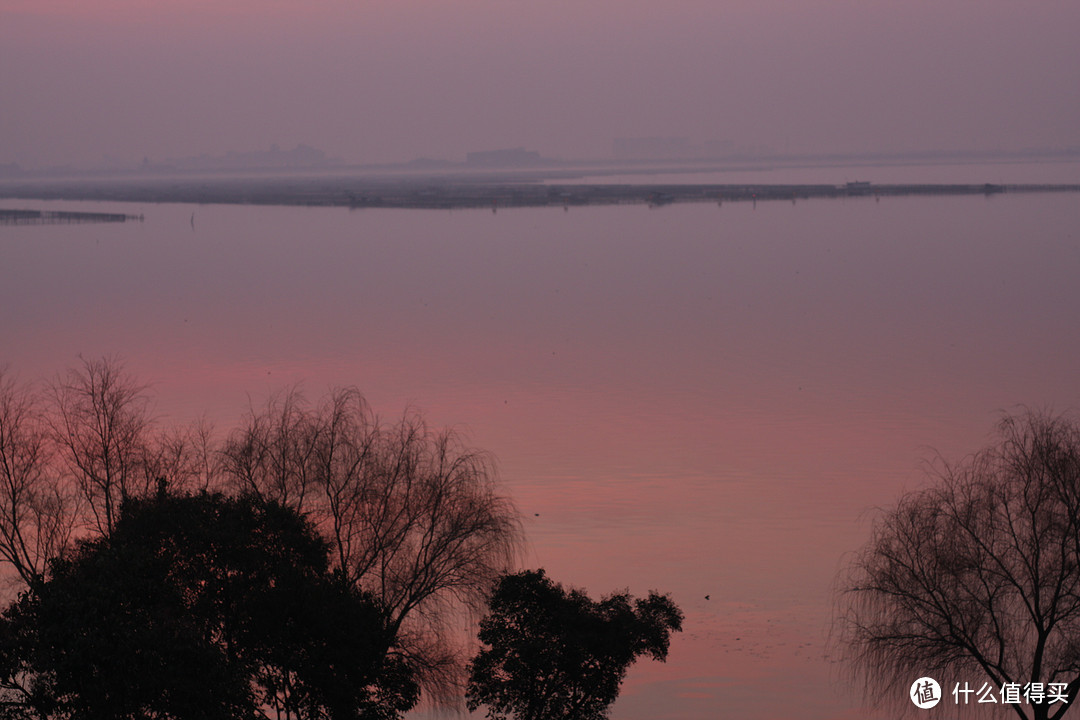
200,606
413,515
976,580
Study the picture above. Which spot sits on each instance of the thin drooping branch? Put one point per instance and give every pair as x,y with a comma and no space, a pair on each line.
977,574
413,515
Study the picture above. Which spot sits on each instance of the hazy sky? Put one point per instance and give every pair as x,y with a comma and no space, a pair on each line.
390,80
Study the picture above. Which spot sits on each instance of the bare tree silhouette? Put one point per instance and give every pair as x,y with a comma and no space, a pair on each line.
37,510
413,515
977,577
186,456
101,423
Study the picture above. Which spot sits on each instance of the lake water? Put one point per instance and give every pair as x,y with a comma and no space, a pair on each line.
697,399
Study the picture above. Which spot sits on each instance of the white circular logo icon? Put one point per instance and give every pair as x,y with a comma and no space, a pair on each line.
925,693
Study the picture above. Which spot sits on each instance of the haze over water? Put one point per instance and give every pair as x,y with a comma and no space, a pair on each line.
120,81
697,399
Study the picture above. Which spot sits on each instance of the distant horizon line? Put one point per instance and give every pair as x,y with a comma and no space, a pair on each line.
526,160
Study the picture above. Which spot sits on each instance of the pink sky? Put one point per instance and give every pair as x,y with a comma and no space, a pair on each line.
390,81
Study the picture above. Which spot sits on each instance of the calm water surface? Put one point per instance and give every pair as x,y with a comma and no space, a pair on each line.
697,399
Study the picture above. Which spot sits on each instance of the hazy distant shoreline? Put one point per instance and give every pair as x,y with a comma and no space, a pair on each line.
454,193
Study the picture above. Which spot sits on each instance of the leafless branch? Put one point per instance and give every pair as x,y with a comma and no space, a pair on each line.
37,510
414,516
978,575
99,421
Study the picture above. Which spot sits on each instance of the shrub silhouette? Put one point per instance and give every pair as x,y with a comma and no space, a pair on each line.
554,654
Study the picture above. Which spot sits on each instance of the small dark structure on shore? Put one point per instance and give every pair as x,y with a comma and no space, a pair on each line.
60,217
